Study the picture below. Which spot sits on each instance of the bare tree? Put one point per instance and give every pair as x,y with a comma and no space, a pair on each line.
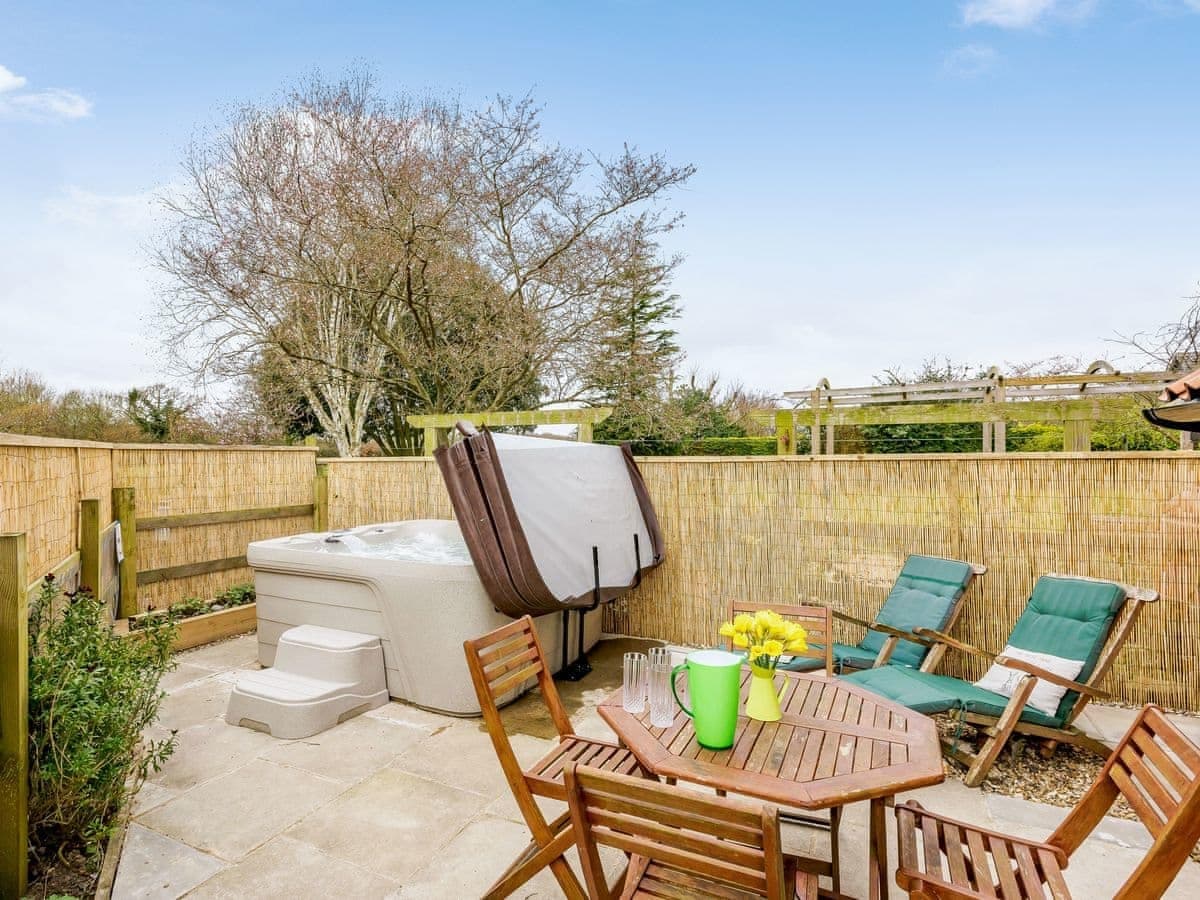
451,260
1174,346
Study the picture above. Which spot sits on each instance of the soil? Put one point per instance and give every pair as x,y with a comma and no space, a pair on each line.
73,875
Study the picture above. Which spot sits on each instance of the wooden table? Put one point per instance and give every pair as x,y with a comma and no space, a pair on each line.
837,743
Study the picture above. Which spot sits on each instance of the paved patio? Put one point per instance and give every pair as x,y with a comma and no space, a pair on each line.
408,804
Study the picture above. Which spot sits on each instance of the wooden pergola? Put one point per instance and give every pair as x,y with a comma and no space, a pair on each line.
994,401
584,419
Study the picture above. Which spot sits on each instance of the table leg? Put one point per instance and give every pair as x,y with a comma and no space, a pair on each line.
877,866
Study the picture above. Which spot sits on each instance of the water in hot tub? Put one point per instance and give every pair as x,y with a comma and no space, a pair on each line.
420,547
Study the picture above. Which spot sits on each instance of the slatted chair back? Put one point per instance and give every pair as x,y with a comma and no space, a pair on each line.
817,622
501,662
1156,769
681,842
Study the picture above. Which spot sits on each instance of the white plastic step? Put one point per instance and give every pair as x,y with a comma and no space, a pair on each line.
327,653
322,676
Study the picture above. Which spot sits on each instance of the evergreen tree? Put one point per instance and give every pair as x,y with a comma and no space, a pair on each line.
637,355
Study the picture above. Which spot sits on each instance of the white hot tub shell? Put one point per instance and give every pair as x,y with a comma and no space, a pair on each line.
410,583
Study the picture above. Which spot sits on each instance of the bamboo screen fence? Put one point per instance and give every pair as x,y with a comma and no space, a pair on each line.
837,529
834,529
43,480
188,479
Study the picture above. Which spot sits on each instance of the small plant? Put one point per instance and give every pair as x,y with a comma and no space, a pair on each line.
188,607
238,595
91,693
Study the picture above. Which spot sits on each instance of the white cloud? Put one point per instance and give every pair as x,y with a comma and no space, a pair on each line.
9,80
48,104
1024,13
970,60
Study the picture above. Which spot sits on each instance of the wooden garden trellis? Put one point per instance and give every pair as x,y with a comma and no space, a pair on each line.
993,401
439,423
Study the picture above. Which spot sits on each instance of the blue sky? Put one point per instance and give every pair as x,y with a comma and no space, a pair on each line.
993,180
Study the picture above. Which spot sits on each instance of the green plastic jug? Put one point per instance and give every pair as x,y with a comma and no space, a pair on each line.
714,679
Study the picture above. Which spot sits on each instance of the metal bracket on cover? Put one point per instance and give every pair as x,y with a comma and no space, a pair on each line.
581,667
637,562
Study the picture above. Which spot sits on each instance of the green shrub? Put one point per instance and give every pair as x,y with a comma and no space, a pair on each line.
91,693
731,446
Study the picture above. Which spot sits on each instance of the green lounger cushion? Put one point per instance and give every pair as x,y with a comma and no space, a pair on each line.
927,692
924,596
1071,618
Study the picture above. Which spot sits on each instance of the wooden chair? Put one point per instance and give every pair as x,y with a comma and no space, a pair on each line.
928,592
1086,618
500,663
1154,767
818,622
681,844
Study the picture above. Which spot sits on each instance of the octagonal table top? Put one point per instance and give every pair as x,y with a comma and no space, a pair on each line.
837,743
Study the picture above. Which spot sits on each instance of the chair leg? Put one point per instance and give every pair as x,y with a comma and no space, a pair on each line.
1000,733
557,837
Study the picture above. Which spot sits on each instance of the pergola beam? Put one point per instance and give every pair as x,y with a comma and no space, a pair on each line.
585,419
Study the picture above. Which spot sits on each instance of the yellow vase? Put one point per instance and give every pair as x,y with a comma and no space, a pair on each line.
763,701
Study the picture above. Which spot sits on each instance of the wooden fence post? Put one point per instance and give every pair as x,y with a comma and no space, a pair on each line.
785,433
125,512
321,499
1077,436
89,545
14,716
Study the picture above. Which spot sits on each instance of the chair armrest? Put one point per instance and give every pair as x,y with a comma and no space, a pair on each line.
884,629
943,638
902,634
919,812
851,619
1038,672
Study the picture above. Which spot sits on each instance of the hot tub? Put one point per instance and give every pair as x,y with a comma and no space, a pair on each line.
410,583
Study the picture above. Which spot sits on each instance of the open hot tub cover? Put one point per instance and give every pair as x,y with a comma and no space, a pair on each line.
545,520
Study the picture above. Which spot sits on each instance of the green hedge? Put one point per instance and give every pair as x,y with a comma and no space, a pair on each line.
731,446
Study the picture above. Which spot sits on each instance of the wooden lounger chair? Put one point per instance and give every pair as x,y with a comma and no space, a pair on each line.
928,593
1071,618
1154,767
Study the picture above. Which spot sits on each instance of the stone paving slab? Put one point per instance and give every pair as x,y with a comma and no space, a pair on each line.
290,869
154,866
234,813
404,803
